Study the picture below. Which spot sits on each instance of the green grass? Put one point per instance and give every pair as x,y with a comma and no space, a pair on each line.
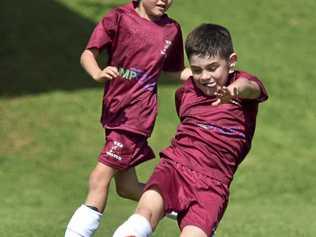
49,112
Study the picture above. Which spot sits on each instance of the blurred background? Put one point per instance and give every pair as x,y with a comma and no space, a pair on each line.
50,134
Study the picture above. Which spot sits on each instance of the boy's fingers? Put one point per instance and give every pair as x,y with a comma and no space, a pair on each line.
234,102
114,71
217,102
236,92
110,73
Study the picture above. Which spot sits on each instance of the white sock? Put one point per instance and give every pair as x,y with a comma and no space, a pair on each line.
83,223
136,225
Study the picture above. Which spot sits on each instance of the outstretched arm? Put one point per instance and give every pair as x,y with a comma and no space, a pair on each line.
179,76
89,62
242,88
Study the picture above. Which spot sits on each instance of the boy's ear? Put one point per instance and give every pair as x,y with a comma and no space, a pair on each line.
232,62
233,58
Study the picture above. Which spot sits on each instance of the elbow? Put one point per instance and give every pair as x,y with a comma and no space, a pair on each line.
82,57
255,90
88,54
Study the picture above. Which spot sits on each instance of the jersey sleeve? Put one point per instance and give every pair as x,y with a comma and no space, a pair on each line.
178,99
175,61
263,92
104,32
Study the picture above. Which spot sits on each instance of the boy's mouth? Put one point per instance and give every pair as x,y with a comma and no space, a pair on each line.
161,7
209,84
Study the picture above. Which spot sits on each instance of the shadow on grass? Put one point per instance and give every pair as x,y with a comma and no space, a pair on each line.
41,42
41,47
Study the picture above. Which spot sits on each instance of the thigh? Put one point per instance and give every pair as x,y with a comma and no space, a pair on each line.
128,180
127,177
192,231
102,173
208,209
166,181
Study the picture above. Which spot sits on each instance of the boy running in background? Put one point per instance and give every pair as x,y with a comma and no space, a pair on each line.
141,42
217,108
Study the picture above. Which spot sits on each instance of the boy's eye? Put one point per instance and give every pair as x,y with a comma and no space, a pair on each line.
196,70
211,68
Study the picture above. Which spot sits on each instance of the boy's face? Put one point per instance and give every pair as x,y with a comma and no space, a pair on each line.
154,9
210,73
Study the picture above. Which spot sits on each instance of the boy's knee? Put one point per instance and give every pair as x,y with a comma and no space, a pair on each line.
124,192
144,211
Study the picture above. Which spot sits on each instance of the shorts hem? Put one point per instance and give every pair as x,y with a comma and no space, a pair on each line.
135,131
155,186
112,165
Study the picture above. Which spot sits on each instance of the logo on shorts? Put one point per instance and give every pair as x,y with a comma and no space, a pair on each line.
114,149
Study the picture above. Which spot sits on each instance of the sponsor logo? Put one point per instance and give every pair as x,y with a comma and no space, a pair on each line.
114,149
224,131
148,82
129,74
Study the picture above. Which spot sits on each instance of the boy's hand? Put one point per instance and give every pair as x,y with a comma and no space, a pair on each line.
226,95
108,73
185,74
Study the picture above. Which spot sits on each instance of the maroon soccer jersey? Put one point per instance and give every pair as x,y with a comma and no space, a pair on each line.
213,139
140,49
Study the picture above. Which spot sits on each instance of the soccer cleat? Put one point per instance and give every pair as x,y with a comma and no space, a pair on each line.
172,215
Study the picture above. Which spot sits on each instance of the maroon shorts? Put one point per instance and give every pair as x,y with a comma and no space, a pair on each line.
198,199
124,149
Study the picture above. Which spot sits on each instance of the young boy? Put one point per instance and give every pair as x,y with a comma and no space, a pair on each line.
217,108
141,41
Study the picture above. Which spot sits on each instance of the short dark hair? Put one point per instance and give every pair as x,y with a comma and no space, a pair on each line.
209,40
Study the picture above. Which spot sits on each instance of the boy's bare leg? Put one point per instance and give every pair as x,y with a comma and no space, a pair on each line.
151,206
86,218
99,183
192,231
149,211
127,184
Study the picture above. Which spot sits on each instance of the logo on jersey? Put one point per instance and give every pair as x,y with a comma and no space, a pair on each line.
116,147
148,82
167,45
224,131
129,74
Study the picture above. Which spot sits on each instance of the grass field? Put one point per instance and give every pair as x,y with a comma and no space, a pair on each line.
49,112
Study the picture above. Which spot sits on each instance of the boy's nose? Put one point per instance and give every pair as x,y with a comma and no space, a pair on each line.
205,76
164,1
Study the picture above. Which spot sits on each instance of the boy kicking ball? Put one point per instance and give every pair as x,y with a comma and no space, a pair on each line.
217,107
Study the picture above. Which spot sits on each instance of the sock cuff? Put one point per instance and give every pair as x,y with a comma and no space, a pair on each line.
84,221
139,220
90,211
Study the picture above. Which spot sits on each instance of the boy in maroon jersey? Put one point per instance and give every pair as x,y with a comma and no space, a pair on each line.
217,107
141,42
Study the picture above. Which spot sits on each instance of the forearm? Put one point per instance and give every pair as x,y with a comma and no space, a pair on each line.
246,89
178,76
89,63
175,76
